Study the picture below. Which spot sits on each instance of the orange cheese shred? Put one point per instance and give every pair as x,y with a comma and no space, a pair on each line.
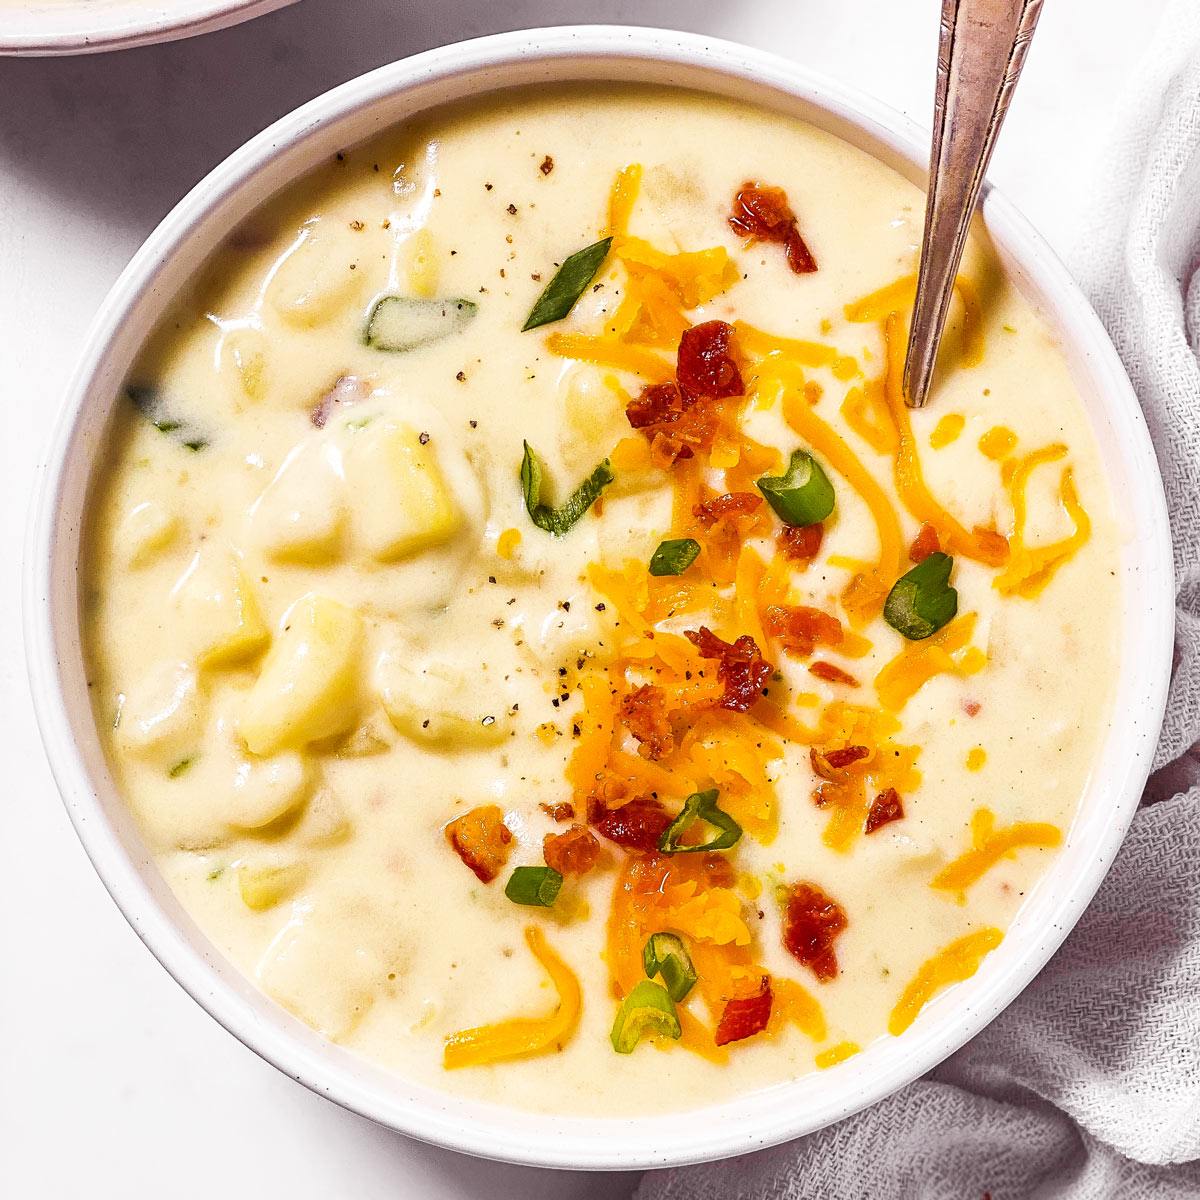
988,846
523,1035
623,197
952,964
606,351
795,1005
836,1054
945,653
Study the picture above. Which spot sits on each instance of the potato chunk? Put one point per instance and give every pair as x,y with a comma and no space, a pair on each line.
321,277
437,703
300,515
217,613
265,883
405,506
147,530
309,683
265,789
162,717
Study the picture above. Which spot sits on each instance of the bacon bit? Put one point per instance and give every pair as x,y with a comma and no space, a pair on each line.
732,504
741,667
558,812
832,674
800,543
799,628
971,707
885,808
674,424
811,922
706,366
481,839
924,544
763,213
346,389
644,712
828,764
573,852
636,826
659,404
745,1016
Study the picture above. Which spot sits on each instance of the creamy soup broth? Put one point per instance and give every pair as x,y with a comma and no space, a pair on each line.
259,491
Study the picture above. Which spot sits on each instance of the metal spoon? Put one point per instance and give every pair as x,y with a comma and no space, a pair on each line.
981,52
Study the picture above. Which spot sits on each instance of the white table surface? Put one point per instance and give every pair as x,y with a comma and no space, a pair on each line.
112,1081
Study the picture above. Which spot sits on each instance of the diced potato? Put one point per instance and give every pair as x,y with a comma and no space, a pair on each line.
308,687
216,610
325,821
265,789
328,966
243,360
403,504
594,411
267,883
301,514
147,530
162,718
321,277
437,704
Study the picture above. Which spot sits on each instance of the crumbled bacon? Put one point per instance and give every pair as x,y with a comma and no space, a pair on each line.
971,707
346,389
730,505
992,544
481,839
800,628
706,366
572,852
800,543
745,1016
924,544
832,674
637,825
644,712
676,425
558,812
828,761
740,667
885,808
811,923
763,213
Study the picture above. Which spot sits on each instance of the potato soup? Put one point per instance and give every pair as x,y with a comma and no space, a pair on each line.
540,647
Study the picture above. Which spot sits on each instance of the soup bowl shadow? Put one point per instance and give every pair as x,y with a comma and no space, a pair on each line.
357,111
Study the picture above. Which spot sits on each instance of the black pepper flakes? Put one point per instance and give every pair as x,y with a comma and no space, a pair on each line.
461,377
512,210
547,165
423,438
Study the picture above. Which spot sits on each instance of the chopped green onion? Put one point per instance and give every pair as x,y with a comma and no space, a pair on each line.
535,886
700,806
673,557
666,955
647,1008
804,495
922,601
567,285
401,323
149,402
179,768
558,520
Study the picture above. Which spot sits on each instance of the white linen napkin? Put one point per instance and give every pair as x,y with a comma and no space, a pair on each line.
1088,1086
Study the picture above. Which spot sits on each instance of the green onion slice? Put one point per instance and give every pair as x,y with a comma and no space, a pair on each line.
666,955
700,806
922,601
647,1008
535,886
674,556
558,520
150,403
567,285
804,495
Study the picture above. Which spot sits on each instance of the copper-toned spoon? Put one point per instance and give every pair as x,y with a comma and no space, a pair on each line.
982,49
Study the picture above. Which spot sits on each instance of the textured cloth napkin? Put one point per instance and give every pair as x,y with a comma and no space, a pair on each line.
1088,1086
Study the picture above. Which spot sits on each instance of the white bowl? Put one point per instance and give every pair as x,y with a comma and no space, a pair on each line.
43,27
269,163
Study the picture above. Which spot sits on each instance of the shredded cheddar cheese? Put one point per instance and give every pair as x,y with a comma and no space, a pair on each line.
946,652
988,846
623,197
836,1054
522,1035
952,964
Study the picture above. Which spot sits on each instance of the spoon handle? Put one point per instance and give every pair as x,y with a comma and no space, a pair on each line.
981,51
